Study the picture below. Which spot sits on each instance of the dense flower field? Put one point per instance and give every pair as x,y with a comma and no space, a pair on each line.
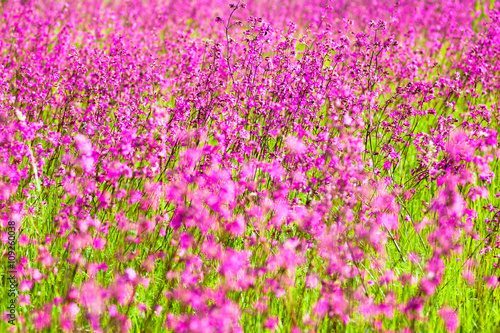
270,166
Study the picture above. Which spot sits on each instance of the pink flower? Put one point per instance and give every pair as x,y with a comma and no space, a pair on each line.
313,281
83,144
124,292
99,243
24,300
237,227
68,316
112,310
135,196
458,147
158,310
469,276
450,318
42,319
92,297
142,307
23,240
25,285
295,145
476,192
390,221
37,276
491,281
130,274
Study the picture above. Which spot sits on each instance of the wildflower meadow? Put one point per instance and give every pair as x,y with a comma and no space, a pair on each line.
261,166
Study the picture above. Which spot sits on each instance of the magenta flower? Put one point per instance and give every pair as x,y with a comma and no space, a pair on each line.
450,318
314,165
271,323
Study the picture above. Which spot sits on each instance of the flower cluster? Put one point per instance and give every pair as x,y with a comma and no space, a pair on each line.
199,166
